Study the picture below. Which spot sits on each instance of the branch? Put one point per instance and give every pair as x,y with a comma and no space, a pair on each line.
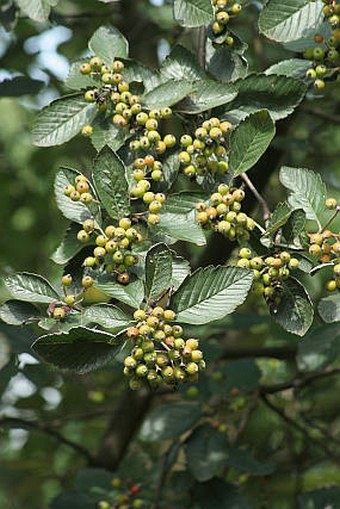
322,114
15,422
201,46
298,383
283,352
260,199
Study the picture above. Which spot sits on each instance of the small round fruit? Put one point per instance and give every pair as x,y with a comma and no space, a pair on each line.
123,278
132,333
87,282
331,285
153,219
66,280
83,236
59,313
90,96
87,130
331,203
70,300
169,315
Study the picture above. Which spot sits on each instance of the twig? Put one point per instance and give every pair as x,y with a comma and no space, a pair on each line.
322,114
201,46
333,216
162,476
16,422
298,383
283,352
260,199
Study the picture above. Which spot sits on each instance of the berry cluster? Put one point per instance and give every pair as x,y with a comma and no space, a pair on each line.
326,56
206,152
223,213
224,10
80,191
160,354
269,272
126,497
113,247
59,310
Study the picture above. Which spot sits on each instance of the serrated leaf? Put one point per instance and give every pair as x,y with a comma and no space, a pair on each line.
15,312
242,460
277,94
131,294
226,64
279,217
106,133
193,13
111,184
68,247
108,316
207,95
108,43
171,166
80,350
295,311
183,203
294,67
167,94
73,210
30,288
319,348
180,270
307,191
179,227
62,120
37,10
19,85
210,294
181,64
158,270
294,227
169,421
75,80
329,308
290,20
206,452
249,141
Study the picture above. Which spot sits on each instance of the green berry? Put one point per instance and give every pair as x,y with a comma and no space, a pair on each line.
66,280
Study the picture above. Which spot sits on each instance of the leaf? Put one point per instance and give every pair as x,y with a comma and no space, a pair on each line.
158,270
325,498
180,227
131,294
294,227
106,133
169,421
307,191
184,202
108,44
111,184
329,308
206,451
19,85
290,20
216,494
181,64
170,171
30,288
319,348
294,68
277,94
75,80
193,13
62,120
243,374
207,95
80,350
210,294
108,316
249,141
295,312
180,270
242,460
68,247
279,217
227,65
16,312
167,94
37,10
73,210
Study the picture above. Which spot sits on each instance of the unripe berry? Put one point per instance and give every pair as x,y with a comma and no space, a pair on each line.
75,195
66,280
155,207
153,219
123,278
245,253
59,313
331,285
85,68
191,368
156,175
166,112
90,96
331,203
169,315
132,332
87,130
169,140
89,261
83,236
86,198
87,281
69,300
314,250
99,252
311,74
319,84
236,8
222,17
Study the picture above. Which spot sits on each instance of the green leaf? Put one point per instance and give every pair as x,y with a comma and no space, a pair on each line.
243,374
158,270
19,85
108,43
226,64
290,20
277,94
62,120
184,203
295,312
319,348
73,210
249,141
179,227
329,308
80,350
170,171
279,217
111,184
68,247
180,270
131,294
106,133
193,13
326,498
37,10
242,460
206,451
167,94
75,80
307,191
207,95
169,421
181,64
108,316
216,494
294,67
294,227
30,288
16,312
210,294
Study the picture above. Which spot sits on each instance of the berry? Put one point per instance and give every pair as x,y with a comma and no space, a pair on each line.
70,300
331,203
90,96
132,333
87,281
87,130
59,313
66,280
83,236
123,278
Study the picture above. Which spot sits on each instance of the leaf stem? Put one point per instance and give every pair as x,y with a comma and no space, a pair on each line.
201,46
260,199
333,216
